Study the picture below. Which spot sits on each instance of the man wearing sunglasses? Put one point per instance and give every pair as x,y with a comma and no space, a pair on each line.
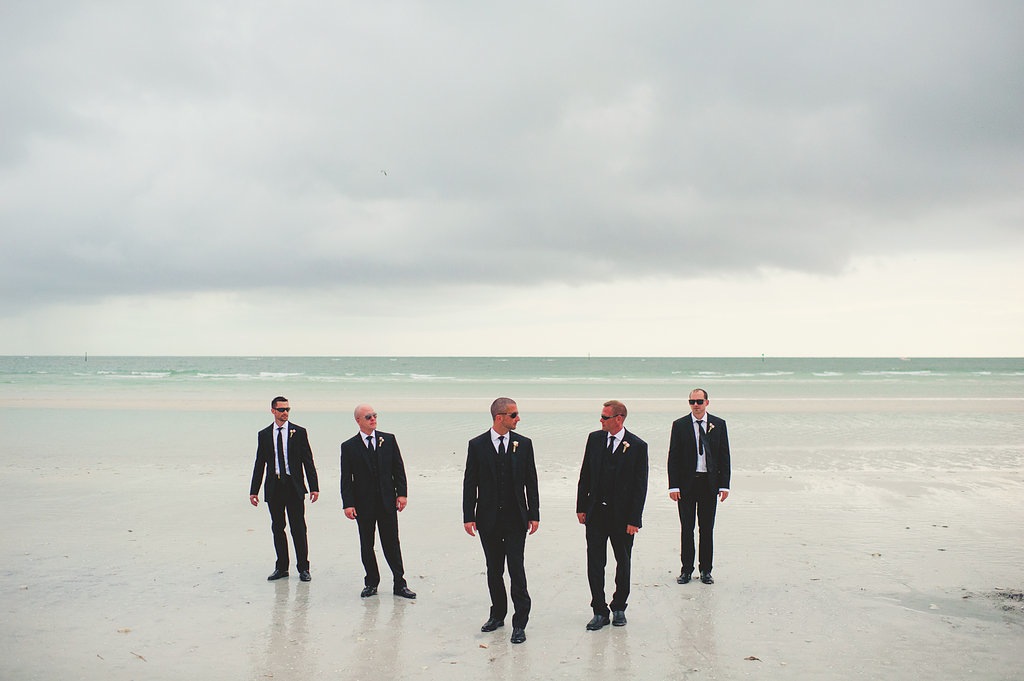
374,490
698,478
283,451
610,501
500,502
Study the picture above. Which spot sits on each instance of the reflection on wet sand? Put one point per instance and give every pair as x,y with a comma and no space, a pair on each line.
284,652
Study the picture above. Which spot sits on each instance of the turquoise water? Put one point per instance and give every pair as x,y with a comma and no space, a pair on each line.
783,414
743,378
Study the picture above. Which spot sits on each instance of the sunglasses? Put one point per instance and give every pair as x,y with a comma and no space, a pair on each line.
511,415
370,417
605,418
696,401
282,410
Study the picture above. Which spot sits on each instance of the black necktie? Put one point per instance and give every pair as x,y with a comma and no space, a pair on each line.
280,453
501,445
369,442
611,444
700,437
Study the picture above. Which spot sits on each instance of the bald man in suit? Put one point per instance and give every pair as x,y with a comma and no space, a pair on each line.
374,490
500,501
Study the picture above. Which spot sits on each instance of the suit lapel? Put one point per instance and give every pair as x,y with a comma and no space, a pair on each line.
490,455
513,455
599,454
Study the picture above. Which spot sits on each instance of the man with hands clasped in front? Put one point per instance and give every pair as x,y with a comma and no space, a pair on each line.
610,500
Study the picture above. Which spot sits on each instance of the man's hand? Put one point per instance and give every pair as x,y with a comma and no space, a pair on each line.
723,494
313,496
254,499
470,529
534,524
674,496
632,529
350,513
582,517
401,503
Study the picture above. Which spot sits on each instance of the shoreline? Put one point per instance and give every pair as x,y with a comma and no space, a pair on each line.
471,404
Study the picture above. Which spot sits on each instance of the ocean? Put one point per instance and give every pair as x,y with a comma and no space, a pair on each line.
783,413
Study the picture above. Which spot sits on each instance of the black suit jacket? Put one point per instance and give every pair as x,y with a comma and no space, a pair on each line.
682,454
300,458
480,484
629,490
359,488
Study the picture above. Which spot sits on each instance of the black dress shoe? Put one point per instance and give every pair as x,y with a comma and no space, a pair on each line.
518,635
683,578
404,592
618,618
705,578
304,575
368,591
598,622
491,624
277,574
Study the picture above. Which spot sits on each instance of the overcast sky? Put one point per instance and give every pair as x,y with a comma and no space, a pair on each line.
542,178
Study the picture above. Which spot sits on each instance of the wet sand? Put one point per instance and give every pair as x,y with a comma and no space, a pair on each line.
157,570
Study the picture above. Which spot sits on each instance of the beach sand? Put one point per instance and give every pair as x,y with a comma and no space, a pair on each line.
135,560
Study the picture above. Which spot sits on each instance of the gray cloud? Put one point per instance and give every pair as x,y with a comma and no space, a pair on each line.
163,147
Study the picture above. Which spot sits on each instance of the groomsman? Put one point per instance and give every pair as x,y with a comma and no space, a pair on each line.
374,491
283,451
610,501
698,479
501,502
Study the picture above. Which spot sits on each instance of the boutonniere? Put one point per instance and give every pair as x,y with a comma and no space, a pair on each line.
625,446
515,443
291,432
711,426
380,443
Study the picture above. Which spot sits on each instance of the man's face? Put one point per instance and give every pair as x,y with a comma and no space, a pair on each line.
367,419
698,409
510,418
280,411
610,423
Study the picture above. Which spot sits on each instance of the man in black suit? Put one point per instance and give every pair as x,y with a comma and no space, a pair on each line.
698,478
500,501
373,492
610,501
283,451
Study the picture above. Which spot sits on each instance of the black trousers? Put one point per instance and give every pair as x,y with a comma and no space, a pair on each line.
602,530
503,545
385,521
698,506
288,500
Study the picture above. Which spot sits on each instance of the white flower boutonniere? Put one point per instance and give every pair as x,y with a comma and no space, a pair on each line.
625,446
711,426
291,432
380,443
515,444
